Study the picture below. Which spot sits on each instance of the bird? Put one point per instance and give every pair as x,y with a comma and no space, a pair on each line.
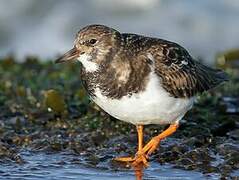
140,80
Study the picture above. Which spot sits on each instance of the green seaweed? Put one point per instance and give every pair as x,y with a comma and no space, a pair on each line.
44,107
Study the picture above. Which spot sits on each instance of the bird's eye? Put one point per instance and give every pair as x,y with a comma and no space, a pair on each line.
92,41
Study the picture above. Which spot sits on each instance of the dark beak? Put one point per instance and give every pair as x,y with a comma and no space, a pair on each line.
69,56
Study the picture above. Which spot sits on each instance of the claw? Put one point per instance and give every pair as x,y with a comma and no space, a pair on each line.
142,156
124,159
139,159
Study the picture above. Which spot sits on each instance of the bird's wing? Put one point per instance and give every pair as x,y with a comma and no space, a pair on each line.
180,75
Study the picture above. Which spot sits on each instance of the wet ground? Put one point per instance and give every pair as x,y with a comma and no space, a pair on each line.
50,130
69,166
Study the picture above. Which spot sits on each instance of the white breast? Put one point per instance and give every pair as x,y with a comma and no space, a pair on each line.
89,65
152,106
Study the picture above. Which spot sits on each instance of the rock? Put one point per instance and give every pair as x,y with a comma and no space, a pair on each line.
9,154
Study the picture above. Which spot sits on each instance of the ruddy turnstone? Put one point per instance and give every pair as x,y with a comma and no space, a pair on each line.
140,80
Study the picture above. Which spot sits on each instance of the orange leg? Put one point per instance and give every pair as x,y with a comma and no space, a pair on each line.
141,156
151,146
140,131
140,146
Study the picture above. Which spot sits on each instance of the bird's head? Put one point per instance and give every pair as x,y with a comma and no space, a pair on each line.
91,46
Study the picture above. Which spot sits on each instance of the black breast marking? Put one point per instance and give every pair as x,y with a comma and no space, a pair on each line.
107,81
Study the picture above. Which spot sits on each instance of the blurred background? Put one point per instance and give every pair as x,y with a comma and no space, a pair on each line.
50,130
46,28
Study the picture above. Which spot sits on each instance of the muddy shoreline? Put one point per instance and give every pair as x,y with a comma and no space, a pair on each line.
43,108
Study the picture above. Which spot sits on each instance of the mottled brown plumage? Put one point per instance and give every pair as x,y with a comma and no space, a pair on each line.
180,74
125,65
140,80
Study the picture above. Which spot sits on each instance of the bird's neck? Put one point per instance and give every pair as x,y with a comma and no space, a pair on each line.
117,78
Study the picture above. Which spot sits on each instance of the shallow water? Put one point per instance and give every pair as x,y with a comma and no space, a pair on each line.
81,143
65,165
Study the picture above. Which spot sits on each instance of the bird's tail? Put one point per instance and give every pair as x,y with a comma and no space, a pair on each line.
213,76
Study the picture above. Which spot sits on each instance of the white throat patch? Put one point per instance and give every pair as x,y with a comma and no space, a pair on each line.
87,63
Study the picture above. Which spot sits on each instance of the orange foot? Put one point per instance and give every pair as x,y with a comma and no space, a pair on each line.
143,153
139,159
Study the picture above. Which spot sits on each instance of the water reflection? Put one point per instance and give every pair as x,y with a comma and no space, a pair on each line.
139,171
66,166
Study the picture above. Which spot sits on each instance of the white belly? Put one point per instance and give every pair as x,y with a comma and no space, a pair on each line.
153,106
